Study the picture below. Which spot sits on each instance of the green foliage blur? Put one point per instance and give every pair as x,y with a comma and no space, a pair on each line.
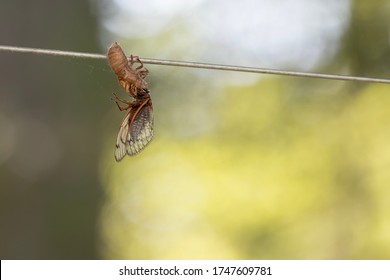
283,168
275,179
286,168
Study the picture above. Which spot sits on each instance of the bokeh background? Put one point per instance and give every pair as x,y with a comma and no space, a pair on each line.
242,166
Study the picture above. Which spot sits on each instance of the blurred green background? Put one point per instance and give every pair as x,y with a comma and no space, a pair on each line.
242,166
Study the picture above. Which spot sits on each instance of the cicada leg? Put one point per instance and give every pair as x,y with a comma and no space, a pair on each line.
117,98
141,70
133,59
143,73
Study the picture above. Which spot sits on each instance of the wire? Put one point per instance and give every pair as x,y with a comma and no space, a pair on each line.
201,65
52,52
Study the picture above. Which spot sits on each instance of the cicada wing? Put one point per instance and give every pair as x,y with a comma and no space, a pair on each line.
122,138
141,129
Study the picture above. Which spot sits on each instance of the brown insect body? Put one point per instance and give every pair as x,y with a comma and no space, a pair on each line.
130,79
136,129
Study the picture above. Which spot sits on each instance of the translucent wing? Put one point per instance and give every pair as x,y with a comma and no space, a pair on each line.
136,130
122,138
141,129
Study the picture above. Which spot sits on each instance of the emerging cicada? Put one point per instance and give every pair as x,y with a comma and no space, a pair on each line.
136,129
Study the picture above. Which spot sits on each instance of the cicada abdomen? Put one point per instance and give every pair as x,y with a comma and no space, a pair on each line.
130,79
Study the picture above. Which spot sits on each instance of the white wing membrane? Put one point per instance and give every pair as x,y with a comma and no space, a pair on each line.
121,139
134,135
143,128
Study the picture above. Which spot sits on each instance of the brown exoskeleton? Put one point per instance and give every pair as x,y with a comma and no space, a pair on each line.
130,79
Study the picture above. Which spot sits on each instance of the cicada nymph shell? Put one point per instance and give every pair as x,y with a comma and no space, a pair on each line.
130,79
136,129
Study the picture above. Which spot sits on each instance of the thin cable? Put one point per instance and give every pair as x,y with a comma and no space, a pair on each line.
52,52
201,65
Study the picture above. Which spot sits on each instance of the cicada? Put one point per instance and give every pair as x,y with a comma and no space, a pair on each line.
136,129
130,79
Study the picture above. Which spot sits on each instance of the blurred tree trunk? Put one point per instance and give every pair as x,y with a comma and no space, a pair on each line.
53,216
365,47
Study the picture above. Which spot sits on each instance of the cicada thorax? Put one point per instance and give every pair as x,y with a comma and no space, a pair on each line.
130,79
